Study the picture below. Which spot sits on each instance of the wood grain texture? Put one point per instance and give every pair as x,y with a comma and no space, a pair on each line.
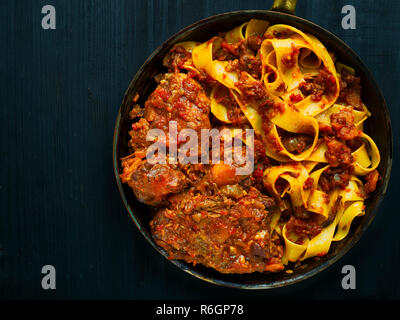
60,92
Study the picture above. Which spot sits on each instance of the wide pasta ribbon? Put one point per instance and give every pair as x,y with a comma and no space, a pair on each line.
312,197
308,55
203,53
290,120
359,116
203,60
254,27
350,205
295,175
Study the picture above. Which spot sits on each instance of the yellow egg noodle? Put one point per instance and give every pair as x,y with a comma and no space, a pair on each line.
302,117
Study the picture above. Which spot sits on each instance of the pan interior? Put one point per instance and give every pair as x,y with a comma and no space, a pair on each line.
379,129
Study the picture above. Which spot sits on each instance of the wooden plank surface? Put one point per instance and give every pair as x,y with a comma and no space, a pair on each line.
60,92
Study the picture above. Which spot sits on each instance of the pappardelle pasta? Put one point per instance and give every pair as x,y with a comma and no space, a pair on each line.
314,165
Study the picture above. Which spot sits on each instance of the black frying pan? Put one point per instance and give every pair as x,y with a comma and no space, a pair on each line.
379,129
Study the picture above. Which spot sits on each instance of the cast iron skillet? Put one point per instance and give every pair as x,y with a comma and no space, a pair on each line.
378,128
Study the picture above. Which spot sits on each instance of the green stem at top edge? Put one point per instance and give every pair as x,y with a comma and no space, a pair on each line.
286,6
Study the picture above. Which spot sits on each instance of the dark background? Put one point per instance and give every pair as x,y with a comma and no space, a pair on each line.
60,93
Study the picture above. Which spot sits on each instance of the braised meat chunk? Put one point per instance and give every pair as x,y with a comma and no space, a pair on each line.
229,235
177,98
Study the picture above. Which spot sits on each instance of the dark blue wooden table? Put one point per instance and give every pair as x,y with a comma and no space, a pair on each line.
60,92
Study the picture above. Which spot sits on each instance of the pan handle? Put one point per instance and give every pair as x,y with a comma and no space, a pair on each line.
286,6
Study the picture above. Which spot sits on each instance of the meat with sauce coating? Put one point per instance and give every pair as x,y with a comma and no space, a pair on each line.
229,235
152,183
